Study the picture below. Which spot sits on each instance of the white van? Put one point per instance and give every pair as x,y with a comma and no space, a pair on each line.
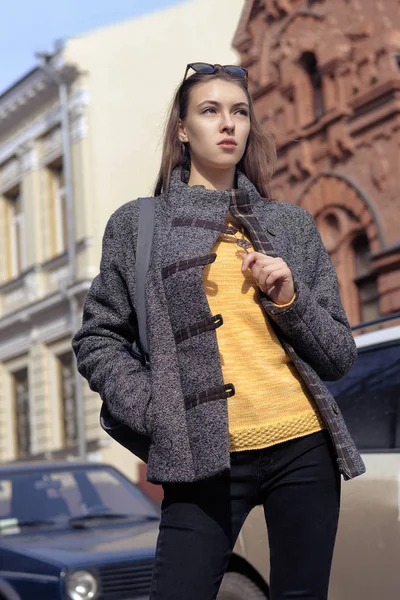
366,563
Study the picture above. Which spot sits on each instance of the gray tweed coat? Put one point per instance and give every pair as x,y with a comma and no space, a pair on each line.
181,403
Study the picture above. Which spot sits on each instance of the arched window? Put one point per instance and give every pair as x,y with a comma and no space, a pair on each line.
309,63
365,279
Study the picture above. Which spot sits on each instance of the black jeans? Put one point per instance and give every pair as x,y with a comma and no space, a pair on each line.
297,482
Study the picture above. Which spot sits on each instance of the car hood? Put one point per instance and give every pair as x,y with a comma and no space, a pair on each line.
89,546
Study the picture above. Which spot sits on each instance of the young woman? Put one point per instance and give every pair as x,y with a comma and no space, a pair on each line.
244,322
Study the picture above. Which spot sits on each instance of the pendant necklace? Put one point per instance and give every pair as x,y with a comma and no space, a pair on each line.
242,243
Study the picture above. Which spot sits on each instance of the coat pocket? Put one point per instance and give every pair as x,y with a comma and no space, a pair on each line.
135,442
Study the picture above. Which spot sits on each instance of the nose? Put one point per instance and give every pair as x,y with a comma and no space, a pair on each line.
227,124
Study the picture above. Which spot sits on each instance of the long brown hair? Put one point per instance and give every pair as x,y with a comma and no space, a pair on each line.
258,160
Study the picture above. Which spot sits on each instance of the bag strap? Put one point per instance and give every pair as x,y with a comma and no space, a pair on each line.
143,255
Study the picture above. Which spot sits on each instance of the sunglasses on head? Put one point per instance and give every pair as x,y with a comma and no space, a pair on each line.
208,69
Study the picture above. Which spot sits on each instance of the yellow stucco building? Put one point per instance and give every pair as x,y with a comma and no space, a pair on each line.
120,81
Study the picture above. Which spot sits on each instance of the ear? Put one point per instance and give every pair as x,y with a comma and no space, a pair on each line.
182,132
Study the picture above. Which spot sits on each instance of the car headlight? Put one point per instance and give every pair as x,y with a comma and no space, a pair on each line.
82,585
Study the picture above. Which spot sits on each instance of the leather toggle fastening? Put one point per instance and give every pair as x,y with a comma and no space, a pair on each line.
218,321
189,263
207,324
220,392
229,390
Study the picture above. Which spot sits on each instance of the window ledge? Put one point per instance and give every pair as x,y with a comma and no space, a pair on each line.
313,128
370,94
59,260
326,119
16,282
66,453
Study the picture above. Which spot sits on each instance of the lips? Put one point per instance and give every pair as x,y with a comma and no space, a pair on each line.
228,142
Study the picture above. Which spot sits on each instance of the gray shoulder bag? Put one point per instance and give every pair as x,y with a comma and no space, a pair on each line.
136,443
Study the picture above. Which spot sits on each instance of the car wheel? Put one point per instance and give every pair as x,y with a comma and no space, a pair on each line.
236,586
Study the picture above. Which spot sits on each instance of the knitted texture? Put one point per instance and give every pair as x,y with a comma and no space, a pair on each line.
269,434
271,403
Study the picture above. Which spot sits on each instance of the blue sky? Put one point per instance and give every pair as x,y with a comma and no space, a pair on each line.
27,26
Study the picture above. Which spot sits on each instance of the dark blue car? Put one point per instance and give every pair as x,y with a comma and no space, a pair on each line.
74,532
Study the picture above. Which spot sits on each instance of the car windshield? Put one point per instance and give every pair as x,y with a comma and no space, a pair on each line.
68,495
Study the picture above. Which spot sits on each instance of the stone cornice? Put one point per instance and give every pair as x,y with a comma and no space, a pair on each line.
22,92
49,118
31,90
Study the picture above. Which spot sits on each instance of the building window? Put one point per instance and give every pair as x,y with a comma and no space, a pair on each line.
16,234
331,232
58,207
309,63
66,385
366,280
20,390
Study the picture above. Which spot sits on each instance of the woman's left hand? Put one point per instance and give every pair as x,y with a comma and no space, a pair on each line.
272,276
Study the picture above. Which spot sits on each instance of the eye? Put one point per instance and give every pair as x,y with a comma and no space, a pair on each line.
210,109
243,111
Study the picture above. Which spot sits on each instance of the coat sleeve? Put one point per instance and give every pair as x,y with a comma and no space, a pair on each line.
315,324
109,327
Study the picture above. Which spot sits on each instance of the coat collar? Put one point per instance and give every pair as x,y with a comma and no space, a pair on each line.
197,201
201,207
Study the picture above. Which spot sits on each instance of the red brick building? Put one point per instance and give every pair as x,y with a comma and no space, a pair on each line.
325,77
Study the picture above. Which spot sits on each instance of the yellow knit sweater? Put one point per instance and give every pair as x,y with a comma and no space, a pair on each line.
271,403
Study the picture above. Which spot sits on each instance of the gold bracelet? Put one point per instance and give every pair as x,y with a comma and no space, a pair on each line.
285,305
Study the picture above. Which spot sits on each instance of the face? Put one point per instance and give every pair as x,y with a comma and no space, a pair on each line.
217,124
